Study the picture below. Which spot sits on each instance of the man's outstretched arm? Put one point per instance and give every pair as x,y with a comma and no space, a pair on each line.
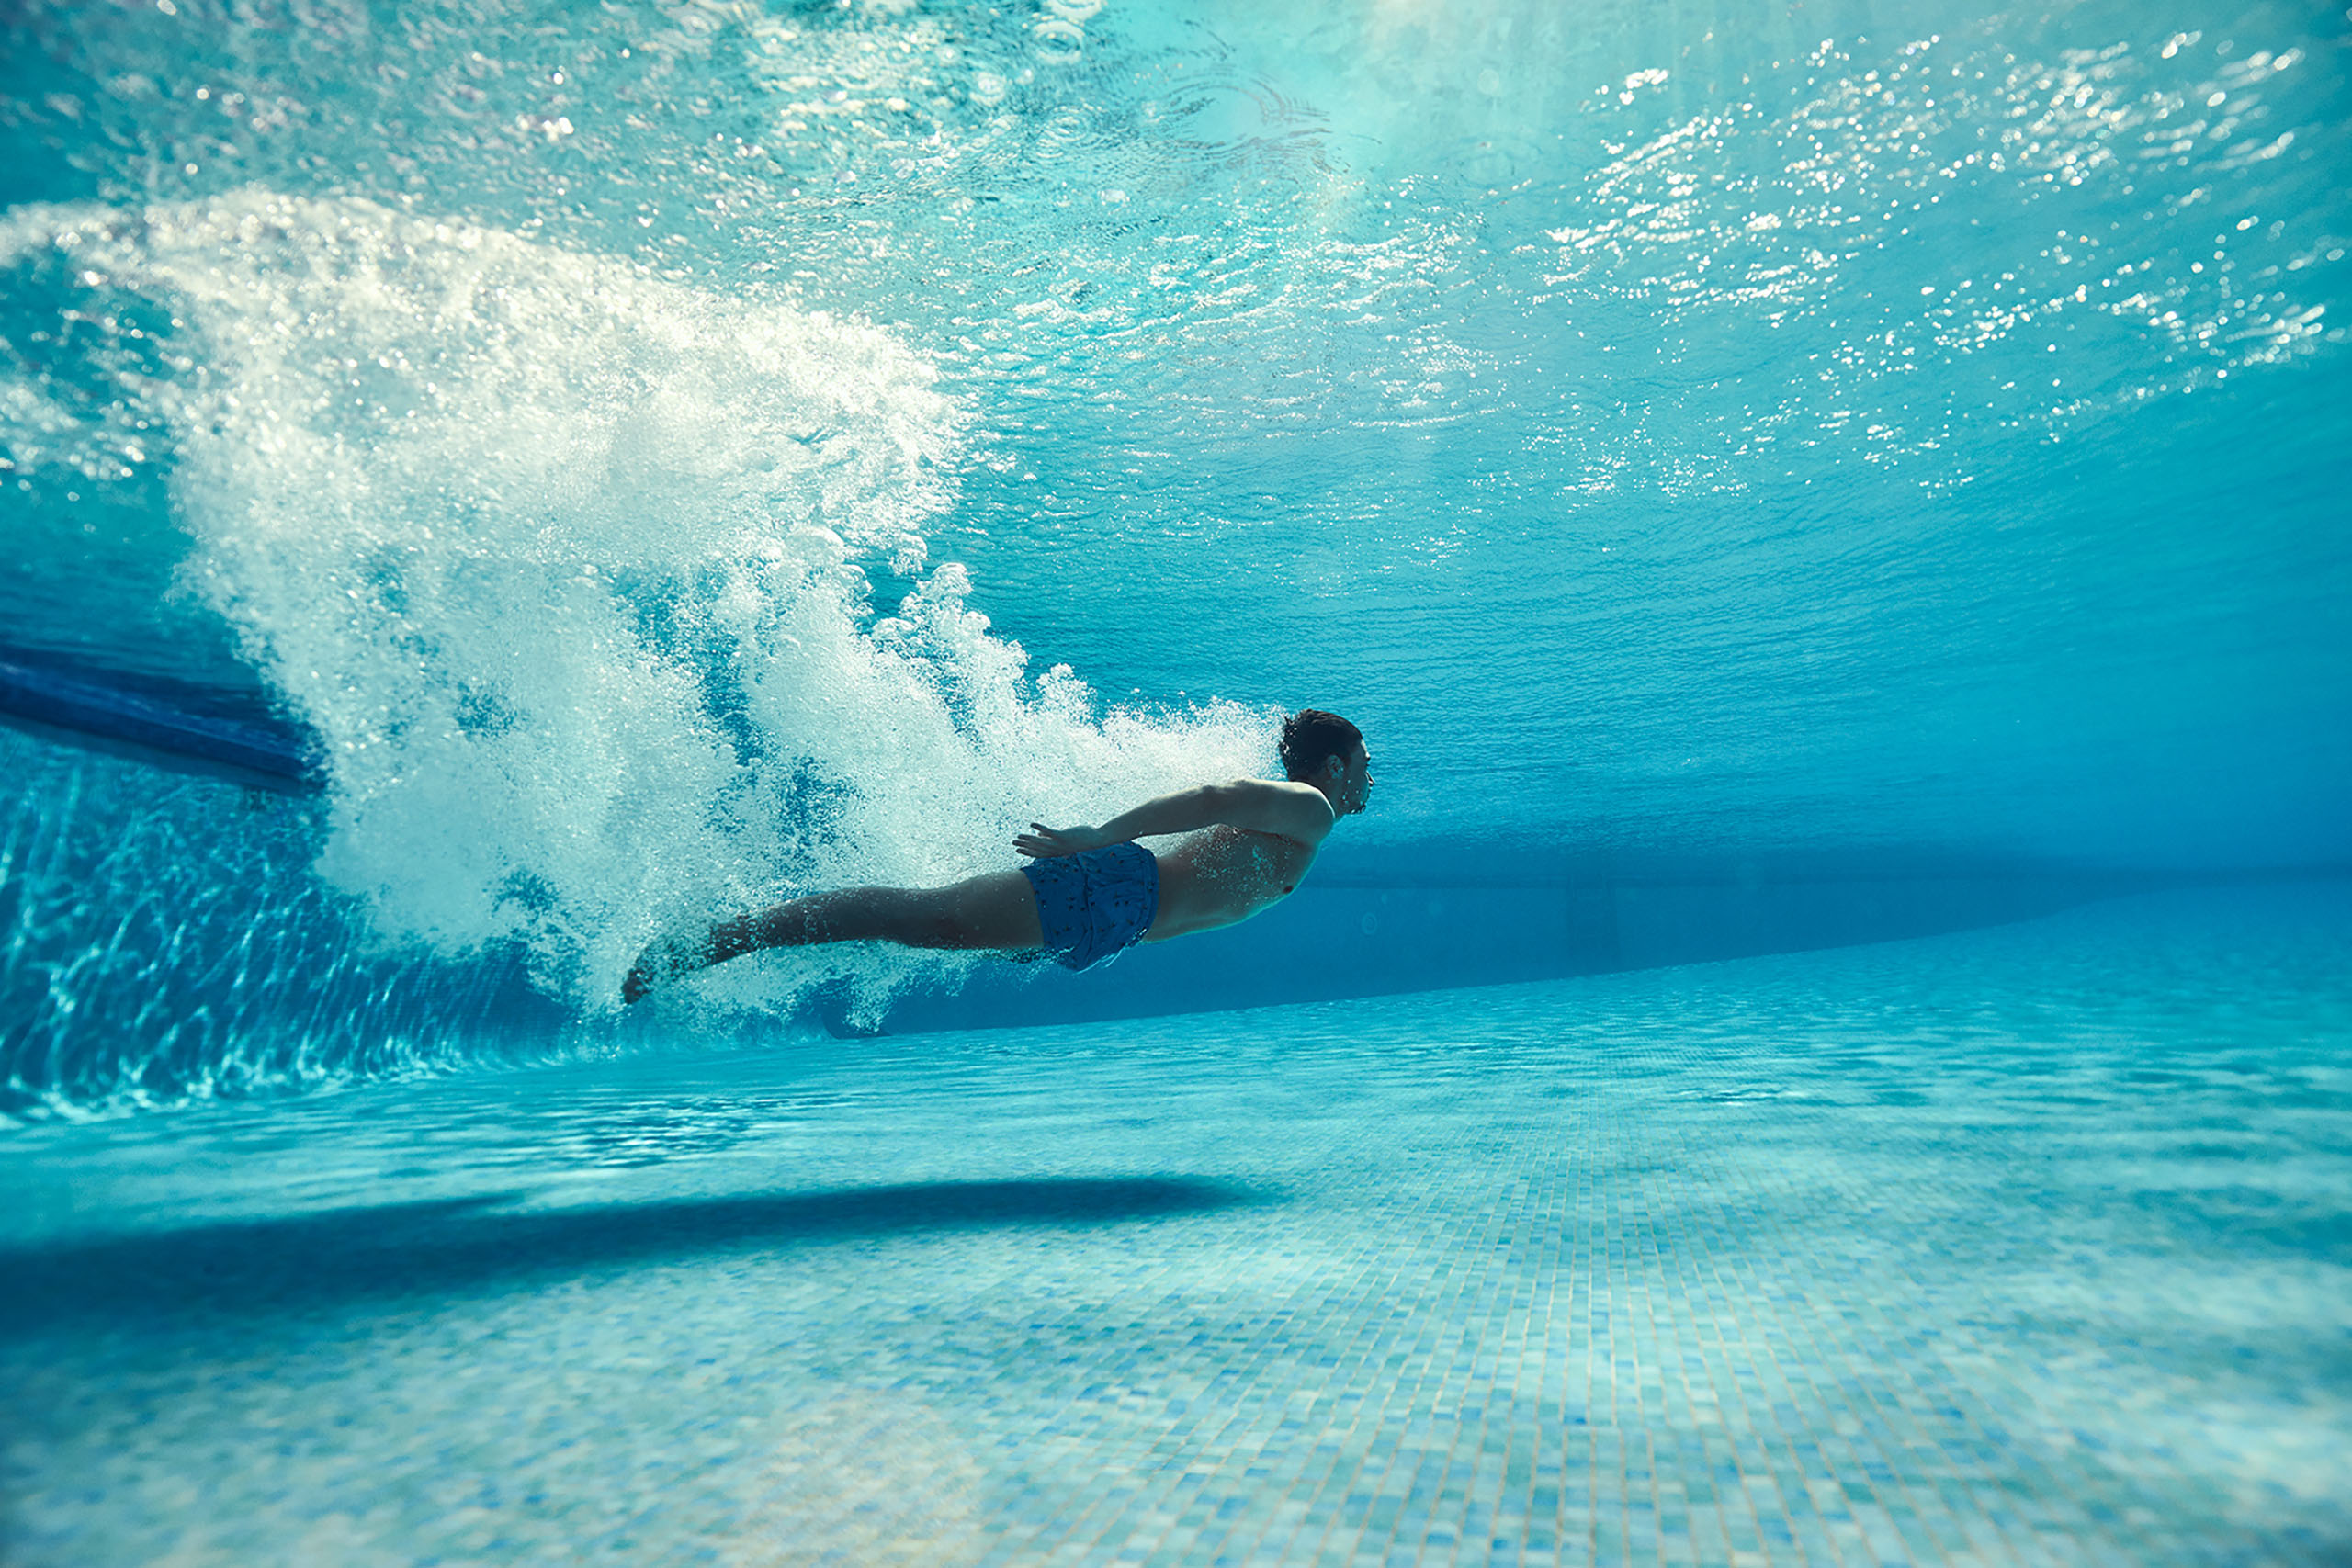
1291,810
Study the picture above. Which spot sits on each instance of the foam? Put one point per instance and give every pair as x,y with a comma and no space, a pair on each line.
568,564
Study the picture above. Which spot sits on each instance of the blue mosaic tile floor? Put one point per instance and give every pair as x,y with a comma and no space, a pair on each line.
2025,1246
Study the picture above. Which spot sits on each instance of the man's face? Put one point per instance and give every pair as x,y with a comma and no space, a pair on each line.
1352,791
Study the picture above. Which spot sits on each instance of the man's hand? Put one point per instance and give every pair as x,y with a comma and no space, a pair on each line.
1044,844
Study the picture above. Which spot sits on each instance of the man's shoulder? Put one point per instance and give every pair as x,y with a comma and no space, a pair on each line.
1287,786
1293,810
1288,789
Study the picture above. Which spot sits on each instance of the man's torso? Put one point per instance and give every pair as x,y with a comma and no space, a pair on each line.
1224,874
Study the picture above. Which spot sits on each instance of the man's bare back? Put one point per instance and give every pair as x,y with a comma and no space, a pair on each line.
1088,891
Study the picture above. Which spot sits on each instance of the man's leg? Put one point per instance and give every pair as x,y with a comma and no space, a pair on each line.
997,910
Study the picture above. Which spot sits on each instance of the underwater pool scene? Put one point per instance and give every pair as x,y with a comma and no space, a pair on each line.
1832,1042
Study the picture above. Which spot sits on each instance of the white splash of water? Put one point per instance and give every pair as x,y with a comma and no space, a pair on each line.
566,562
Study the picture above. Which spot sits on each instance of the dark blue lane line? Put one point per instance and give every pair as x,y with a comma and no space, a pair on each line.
265,751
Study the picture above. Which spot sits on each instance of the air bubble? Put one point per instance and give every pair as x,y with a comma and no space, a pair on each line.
1058,42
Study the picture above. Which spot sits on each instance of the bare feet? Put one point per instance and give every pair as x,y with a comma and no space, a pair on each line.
664,961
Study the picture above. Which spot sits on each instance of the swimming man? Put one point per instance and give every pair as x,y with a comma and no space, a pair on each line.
1087,894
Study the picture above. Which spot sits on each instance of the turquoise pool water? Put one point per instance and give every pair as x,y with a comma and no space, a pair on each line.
1832,518
666,457
2023,1245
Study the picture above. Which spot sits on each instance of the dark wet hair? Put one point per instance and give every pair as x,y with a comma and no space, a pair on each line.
1311,738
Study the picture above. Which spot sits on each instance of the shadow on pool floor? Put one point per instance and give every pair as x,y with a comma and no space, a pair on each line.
446,1247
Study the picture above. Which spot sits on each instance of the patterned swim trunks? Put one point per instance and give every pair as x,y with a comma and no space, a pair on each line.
1095,906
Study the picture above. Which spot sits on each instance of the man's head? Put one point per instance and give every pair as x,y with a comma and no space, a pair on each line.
1323,749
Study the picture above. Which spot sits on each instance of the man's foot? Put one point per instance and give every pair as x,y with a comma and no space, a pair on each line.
664,961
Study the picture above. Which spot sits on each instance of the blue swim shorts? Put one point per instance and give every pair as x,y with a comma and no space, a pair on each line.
1095,906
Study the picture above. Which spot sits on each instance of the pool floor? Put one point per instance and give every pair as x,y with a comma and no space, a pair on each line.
2030,1244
